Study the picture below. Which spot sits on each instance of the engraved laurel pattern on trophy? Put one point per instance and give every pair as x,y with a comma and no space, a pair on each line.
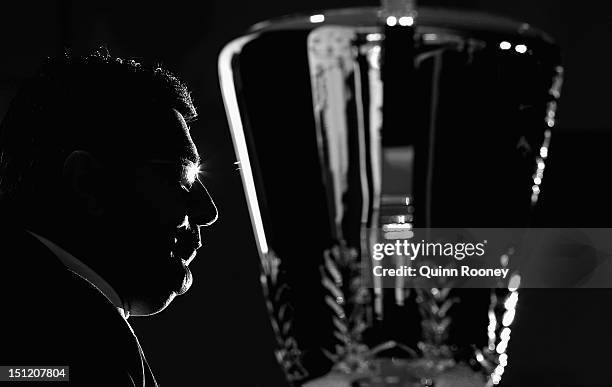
277,294
335,87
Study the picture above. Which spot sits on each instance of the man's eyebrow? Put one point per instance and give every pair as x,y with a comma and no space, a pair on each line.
191,156
194,159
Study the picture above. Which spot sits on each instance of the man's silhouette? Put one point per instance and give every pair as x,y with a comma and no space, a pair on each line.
100,212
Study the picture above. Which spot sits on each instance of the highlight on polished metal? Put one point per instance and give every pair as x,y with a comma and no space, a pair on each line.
356,126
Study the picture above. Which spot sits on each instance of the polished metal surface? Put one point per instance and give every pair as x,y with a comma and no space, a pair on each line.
347,121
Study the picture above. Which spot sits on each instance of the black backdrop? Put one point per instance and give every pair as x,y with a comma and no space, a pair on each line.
218,335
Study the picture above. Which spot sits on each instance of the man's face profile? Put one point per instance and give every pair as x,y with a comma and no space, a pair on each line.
96,158
147,215
101,205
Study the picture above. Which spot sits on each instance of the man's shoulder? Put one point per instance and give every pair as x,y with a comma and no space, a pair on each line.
53,316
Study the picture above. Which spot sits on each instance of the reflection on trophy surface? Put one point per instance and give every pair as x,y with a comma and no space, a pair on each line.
360,126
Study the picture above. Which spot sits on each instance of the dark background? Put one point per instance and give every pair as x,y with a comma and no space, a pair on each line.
218,335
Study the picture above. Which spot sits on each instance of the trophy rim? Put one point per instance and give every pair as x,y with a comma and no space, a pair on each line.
429,19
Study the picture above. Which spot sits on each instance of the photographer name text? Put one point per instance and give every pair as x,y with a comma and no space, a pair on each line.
413,250
437,272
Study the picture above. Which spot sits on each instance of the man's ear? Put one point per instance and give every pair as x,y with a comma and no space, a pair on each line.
82,174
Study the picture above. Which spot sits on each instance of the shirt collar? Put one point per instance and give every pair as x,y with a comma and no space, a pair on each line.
82,270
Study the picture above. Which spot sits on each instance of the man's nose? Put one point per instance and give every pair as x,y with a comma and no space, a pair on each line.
201,209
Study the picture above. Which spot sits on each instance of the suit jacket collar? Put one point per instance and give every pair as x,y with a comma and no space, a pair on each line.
88,274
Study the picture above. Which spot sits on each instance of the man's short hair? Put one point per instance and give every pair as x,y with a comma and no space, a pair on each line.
97,103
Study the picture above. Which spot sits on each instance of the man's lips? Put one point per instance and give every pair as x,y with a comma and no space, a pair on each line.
186,251
186,278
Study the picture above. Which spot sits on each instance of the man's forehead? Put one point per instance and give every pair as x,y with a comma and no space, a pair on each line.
166,137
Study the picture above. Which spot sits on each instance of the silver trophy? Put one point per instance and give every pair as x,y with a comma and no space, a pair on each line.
357,124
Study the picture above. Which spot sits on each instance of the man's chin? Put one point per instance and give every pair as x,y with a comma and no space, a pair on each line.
150,307
187,281
155,305
155,296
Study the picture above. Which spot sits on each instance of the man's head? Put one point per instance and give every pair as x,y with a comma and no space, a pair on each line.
95,154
